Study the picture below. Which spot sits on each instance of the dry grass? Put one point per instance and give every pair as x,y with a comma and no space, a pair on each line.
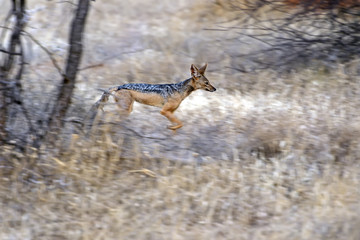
264,157
284,169
96,196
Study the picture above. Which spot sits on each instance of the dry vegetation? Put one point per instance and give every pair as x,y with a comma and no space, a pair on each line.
267,156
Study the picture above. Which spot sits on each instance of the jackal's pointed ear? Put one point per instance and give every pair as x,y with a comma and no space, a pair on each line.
193,69
202,69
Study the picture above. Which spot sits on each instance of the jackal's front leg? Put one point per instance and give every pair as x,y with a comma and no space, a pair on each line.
169,114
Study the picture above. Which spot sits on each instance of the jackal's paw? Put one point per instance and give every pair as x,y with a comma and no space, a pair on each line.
175,127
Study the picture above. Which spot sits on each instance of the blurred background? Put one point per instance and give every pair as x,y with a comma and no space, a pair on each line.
272,154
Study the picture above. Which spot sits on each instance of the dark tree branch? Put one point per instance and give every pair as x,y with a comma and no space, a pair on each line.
10,91
58,114
8,52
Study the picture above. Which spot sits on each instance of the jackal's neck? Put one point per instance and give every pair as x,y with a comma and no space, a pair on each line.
185,87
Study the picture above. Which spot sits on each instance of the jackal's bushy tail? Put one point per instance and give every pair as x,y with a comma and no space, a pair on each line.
96,106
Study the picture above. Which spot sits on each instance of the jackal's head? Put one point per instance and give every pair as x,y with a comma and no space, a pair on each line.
199,79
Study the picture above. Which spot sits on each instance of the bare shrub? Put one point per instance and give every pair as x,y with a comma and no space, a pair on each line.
294,33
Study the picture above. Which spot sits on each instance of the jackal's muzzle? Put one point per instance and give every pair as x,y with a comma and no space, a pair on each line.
210,89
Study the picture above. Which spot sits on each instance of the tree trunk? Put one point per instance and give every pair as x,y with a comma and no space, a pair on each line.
56,118
3,108
10,86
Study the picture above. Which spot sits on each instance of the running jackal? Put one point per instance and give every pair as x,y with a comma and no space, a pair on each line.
166,96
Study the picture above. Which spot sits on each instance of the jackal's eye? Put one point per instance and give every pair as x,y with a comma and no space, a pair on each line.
206,82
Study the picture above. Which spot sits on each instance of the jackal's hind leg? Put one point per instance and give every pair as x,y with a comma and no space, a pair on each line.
124,101
169,114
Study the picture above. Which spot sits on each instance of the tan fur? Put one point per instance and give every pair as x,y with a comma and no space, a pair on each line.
125,97
151,99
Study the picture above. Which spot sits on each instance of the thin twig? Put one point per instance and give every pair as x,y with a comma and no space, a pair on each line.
11,53
48,52
91,66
